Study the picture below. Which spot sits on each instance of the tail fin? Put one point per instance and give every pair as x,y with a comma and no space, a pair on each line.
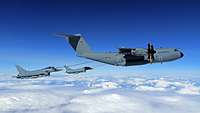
67,68
78,43
20,69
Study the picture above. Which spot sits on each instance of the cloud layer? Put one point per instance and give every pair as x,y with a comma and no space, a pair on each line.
99,95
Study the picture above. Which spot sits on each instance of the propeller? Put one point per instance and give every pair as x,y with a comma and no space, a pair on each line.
150,52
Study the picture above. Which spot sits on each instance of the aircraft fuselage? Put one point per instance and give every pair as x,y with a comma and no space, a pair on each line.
135,58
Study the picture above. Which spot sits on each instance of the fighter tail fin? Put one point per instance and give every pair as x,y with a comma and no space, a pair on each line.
20,69
78,43
66,67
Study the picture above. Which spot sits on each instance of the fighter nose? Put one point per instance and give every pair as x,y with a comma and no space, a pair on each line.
182,54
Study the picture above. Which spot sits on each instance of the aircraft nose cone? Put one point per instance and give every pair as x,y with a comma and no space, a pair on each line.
182,54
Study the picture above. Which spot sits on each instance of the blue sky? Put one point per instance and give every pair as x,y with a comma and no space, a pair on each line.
28,27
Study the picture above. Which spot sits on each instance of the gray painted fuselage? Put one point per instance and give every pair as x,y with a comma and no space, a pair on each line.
35,73
137,58
77,70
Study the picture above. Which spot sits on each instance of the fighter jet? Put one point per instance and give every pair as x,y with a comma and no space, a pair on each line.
76,71
35,73
124,56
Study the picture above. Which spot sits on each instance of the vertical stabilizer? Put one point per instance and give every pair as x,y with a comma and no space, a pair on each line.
67,68
78,43
21,70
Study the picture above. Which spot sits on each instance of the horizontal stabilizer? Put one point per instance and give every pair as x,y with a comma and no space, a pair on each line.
67,35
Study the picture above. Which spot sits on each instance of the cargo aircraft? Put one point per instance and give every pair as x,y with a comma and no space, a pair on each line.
124,56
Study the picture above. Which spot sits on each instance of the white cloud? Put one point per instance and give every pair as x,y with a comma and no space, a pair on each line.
106,85
149,88
161,83
108,103
190,90
98,95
